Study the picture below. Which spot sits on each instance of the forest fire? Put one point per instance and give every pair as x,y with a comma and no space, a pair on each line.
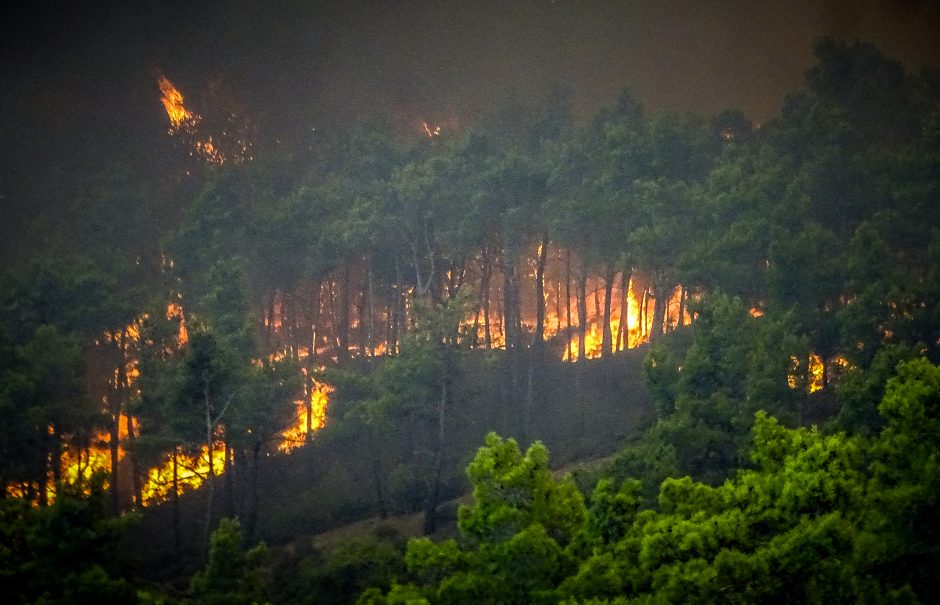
300,431
180,117
191,127
182,471
432,133
175,311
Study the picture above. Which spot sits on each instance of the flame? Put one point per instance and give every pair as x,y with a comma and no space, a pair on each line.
174,310
635,333
817,371
192,471
187,124
180,117
432,133
297,434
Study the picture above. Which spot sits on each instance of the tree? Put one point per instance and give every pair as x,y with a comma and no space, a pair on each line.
64,553
232,573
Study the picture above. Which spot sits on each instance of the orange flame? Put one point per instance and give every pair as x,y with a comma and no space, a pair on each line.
297,434
192,470
432,133
180,117
174,310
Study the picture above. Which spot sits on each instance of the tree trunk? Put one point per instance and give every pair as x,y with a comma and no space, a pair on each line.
644,324
430,508
582,313
606,336
176,500
228,475
682,297
376,468
486,271
371,307
135,470
623,330
113,445
660,302
56,457
252,521
568,302
42,478
342,309
210,476
538,335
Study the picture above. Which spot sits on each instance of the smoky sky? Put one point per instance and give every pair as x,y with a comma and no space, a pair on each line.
77,84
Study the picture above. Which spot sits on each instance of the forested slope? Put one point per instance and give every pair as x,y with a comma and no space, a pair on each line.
411,296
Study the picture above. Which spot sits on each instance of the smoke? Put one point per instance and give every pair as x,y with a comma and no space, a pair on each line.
77,87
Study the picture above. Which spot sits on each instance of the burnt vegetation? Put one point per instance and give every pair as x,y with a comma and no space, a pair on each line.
726,333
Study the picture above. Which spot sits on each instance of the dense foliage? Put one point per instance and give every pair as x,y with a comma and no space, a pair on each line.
821,518
802,257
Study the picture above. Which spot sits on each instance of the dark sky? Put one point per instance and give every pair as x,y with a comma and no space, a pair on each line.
77,81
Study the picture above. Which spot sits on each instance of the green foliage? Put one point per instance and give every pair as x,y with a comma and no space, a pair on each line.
819,519
513,491
707,384
232,574
64,553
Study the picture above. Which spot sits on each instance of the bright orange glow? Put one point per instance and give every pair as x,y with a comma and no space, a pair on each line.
817,370
186,123
297,434
431,132
174,310
179,116
192,470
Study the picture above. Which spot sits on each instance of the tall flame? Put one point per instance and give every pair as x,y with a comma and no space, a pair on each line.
297,434
179,116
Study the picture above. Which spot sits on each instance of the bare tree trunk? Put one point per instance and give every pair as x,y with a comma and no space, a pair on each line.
430,509
376,468
342,309
486,271
659,312
115,405
683,295
508,305
644,304
135,471
314,321
371,308
113,445
252,520
210,477
582,313
42,479
56,457
606,336
176,499
568,301
227,474
538,335
623,334
582,346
